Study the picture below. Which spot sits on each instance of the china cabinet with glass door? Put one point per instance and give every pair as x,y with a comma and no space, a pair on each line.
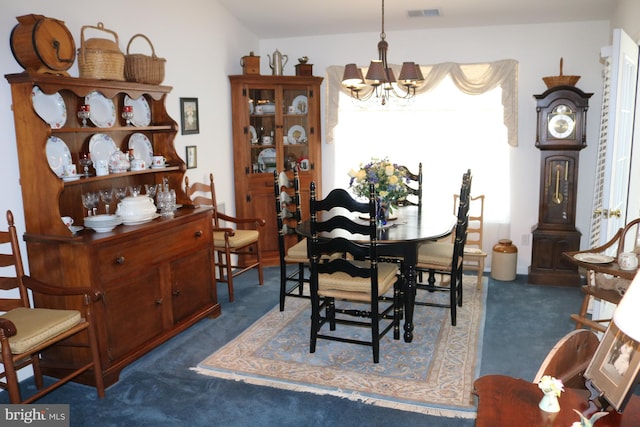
276,126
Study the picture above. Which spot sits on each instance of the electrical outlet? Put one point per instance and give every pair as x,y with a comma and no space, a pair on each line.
524,240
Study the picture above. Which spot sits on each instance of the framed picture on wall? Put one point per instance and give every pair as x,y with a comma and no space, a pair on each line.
615,367
189,116
192,157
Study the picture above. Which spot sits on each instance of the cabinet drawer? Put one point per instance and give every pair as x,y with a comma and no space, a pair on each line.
130,254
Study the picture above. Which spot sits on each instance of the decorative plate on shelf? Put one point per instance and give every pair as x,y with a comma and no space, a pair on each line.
58,155
101,147
102,112
299,104
50,108
267,160
296,134
254,135
142,148
141,110
594,258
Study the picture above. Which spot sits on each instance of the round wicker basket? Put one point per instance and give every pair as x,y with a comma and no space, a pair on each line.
561,80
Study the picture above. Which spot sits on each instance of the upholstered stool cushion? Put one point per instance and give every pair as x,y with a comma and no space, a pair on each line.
341,285
435,253
298,252
239,239
36,325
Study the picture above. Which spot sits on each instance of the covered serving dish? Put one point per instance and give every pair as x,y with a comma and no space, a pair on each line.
136,209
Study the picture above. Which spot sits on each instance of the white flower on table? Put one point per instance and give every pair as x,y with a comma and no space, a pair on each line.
549,384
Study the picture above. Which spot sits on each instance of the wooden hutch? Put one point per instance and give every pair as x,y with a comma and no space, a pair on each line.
285,110
157,278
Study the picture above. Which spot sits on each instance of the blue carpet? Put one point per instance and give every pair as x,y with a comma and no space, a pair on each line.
522,323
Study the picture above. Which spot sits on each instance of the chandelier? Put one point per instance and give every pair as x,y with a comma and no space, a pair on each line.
380,80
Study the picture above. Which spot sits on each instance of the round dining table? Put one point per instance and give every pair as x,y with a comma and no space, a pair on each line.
406,230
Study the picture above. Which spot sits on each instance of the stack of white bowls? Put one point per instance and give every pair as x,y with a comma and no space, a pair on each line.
102,223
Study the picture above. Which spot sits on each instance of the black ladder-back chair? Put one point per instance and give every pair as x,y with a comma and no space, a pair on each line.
288,219
357,277
414,187
446,258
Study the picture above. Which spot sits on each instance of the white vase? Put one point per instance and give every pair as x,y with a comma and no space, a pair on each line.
549,403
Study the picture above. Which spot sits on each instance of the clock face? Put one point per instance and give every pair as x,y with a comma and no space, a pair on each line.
562,122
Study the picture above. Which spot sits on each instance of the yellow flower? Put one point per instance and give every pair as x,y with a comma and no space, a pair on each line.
361,175
393,180
389,170
352,173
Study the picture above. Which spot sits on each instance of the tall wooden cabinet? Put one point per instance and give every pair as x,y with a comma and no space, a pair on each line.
156,278
276,126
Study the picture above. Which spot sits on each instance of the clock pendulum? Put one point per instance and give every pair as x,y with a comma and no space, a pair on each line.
560,135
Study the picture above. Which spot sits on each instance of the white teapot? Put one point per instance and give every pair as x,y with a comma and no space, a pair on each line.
134,209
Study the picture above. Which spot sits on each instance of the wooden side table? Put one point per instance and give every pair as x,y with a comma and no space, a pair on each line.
507,401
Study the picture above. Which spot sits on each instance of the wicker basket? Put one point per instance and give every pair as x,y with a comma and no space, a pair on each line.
561,80
143,68
100,58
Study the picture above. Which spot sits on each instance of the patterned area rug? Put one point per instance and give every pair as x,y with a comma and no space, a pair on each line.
432,375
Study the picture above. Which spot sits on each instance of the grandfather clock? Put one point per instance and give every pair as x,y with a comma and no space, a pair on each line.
560,135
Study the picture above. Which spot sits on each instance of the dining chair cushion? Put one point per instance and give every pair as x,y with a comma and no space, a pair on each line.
343,286
435,253
239,239
298,252
36,325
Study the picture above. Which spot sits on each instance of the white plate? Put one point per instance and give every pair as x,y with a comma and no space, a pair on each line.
254,134
299,104
58,155
75,228
296,134
141,110
265,154
50,108
101,147
102,112
70,178
594,258
159,167
142,148
142,221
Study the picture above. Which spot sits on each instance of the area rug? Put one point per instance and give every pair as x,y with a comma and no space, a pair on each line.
432,375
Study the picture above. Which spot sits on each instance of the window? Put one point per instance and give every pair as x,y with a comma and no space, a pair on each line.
445,129
449,131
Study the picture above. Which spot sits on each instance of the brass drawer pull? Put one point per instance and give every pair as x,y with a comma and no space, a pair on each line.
120,260
176,292
159,301
198,233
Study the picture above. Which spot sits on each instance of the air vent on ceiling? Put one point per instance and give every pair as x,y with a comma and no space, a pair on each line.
418,13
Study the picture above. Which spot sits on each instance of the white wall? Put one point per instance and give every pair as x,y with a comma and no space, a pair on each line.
202,44
538,49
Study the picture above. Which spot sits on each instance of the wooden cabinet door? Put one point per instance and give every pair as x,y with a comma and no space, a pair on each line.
133,312
262,205
191,284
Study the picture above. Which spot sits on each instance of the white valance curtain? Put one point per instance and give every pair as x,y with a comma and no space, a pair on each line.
472,79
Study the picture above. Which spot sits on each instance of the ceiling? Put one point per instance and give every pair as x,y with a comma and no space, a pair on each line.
298,18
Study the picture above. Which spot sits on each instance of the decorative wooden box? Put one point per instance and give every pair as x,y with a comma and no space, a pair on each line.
304,69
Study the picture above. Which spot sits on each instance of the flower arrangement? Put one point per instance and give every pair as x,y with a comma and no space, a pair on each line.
549,384
551,388
388,178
